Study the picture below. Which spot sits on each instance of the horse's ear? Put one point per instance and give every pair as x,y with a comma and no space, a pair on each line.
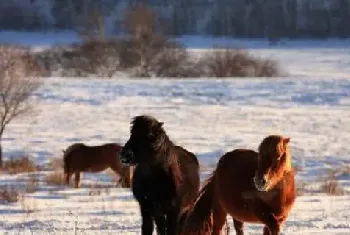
286,140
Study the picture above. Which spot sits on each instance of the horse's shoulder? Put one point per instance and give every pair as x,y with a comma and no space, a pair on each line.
114,146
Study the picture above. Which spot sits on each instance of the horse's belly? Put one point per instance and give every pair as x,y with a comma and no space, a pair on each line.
239,209
244,215
95,169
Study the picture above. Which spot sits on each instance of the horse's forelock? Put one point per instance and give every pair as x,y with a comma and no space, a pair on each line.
269,147
146,125
140,124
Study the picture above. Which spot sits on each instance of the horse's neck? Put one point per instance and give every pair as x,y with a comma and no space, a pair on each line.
285,174
165,153
289,165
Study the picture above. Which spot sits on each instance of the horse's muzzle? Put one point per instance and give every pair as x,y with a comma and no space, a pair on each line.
126,156
260,183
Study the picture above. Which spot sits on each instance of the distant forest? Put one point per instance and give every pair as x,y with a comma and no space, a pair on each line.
271,19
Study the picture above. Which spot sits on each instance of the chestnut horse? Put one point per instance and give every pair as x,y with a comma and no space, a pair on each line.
79,158
254,187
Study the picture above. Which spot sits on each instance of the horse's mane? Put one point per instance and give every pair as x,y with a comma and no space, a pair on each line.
165,149
268,145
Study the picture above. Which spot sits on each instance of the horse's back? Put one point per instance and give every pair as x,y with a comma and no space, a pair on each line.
238,159
94,158
235,170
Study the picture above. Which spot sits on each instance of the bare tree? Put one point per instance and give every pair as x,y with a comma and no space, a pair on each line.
17,83
89,21
149,49
140,22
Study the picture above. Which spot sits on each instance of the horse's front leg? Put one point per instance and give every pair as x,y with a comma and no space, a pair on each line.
238,225
147,220
172,221
263,212
272,229
68,176
161,224
77,179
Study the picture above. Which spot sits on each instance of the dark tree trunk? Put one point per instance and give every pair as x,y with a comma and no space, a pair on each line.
0,155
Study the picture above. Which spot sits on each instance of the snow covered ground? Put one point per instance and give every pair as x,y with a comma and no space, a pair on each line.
209,117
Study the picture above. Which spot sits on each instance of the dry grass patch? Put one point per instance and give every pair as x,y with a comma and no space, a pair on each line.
55,163
28,205
345,170
19,165
331,185
230,62
55,178
301,188
32,184
9,194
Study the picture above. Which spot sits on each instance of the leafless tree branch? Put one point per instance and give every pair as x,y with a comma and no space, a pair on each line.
18,82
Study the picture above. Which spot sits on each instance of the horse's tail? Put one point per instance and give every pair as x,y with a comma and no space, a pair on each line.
66,162
199,219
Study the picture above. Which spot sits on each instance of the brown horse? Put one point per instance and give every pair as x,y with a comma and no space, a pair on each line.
254,187
79,158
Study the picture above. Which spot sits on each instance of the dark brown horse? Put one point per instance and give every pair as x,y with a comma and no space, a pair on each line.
79,158
166,178
254,187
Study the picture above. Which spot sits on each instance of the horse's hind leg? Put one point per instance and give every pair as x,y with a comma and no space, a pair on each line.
219,219
77,179
266,231
238,227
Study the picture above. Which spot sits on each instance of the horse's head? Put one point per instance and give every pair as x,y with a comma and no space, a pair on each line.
146,135
273,162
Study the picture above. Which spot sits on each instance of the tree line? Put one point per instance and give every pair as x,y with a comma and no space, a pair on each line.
237,18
